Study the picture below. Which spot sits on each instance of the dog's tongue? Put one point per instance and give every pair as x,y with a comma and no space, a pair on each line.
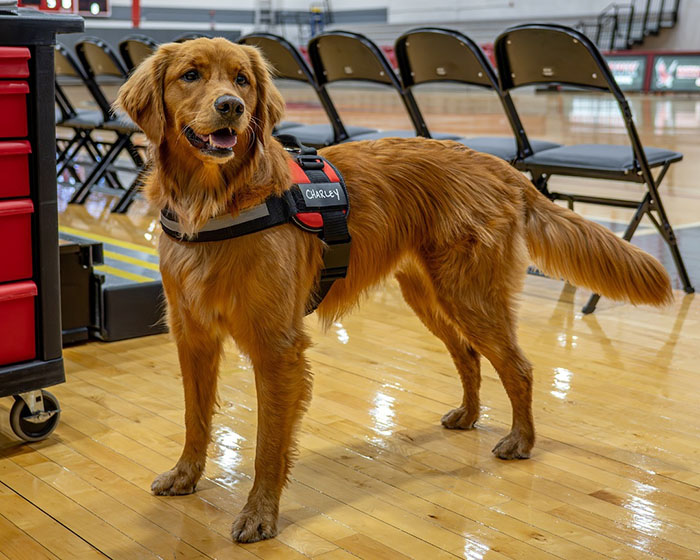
223,138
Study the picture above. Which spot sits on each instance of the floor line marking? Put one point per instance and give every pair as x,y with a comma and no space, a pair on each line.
110,240
123,274
131,260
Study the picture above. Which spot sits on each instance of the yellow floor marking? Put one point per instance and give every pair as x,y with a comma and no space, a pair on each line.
110,240
132,260
122,273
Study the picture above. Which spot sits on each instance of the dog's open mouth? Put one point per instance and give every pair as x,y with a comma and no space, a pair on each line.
217,143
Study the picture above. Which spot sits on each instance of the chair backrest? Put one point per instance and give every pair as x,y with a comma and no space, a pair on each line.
65,64
67,68
63,103
99,61
134,49
540,53
550,54
343,55
287,61
432,54
289,64
190,35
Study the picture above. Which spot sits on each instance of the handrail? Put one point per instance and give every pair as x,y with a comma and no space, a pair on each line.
645,20
600,25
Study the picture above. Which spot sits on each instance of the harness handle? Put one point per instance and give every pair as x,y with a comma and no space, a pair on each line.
292,144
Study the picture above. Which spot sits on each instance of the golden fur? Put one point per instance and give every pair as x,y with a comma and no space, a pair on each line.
454,225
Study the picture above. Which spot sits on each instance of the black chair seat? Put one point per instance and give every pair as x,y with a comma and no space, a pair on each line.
122,124
379,134
287,124
319,135
84,119
602,157
504,147
444,136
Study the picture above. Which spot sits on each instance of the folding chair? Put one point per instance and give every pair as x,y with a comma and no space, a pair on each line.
99,63
135,48
554,54
81,121
430,54
342,55
289,64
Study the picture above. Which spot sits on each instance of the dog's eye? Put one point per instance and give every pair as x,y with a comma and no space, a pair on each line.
190,76
241,80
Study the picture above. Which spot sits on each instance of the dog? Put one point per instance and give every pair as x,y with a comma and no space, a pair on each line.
455,226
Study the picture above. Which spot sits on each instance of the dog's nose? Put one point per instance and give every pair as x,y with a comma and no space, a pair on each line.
229,105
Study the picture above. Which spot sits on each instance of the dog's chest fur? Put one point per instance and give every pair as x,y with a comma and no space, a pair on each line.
233,281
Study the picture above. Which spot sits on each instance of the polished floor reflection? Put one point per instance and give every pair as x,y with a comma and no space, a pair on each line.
615,472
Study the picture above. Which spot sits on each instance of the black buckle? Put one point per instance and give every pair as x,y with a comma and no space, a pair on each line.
335,259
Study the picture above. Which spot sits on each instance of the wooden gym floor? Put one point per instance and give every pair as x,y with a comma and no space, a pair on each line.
615,472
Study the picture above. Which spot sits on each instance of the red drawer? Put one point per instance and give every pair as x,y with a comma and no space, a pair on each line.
13,108
17,322
14,62
14,169
15,240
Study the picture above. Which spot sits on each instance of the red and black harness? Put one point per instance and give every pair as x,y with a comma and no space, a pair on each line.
317,202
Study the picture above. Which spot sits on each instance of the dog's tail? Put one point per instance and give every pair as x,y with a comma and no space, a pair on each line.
563,244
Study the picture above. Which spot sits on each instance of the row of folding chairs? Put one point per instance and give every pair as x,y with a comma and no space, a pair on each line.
91,67
526,55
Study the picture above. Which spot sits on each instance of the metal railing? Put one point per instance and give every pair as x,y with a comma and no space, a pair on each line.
620,26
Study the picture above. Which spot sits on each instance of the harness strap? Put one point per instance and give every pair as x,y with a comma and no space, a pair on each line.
335,257
272,212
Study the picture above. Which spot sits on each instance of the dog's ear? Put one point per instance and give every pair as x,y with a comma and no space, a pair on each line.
141,97
270,104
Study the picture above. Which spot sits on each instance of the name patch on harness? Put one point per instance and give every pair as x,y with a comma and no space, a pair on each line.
319,195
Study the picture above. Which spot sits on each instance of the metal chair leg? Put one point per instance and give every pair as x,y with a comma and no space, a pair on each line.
98,172
667,233
128,197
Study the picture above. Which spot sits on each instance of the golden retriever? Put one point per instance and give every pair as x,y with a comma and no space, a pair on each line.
455,226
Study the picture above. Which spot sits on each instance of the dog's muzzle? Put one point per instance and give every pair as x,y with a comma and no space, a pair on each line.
219,143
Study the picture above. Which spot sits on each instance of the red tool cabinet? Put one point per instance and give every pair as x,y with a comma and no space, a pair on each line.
30,314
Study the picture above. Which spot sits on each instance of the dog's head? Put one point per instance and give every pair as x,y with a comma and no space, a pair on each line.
211,97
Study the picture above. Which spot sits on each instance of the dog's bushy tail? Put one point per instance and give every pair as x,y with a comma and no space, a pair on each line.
563,244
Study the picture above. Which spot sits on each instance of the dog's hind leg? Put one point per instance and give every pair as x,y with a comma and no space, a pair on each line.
199,351
475,288
418,292
283,384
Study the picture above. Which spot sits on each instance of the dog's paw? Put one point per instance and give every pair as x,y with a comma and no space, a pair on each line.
459,419
174,482
252,526
513,446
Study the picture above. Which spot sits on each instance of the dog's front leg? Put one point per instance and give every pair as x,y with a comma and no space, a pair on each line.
283,385
199,351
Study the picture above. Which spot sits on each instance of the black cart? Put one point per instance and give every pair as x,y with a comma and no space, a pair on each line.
30,311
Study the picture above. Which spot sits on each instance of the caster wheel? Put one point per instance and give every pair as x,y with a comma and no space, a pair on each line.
37,426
